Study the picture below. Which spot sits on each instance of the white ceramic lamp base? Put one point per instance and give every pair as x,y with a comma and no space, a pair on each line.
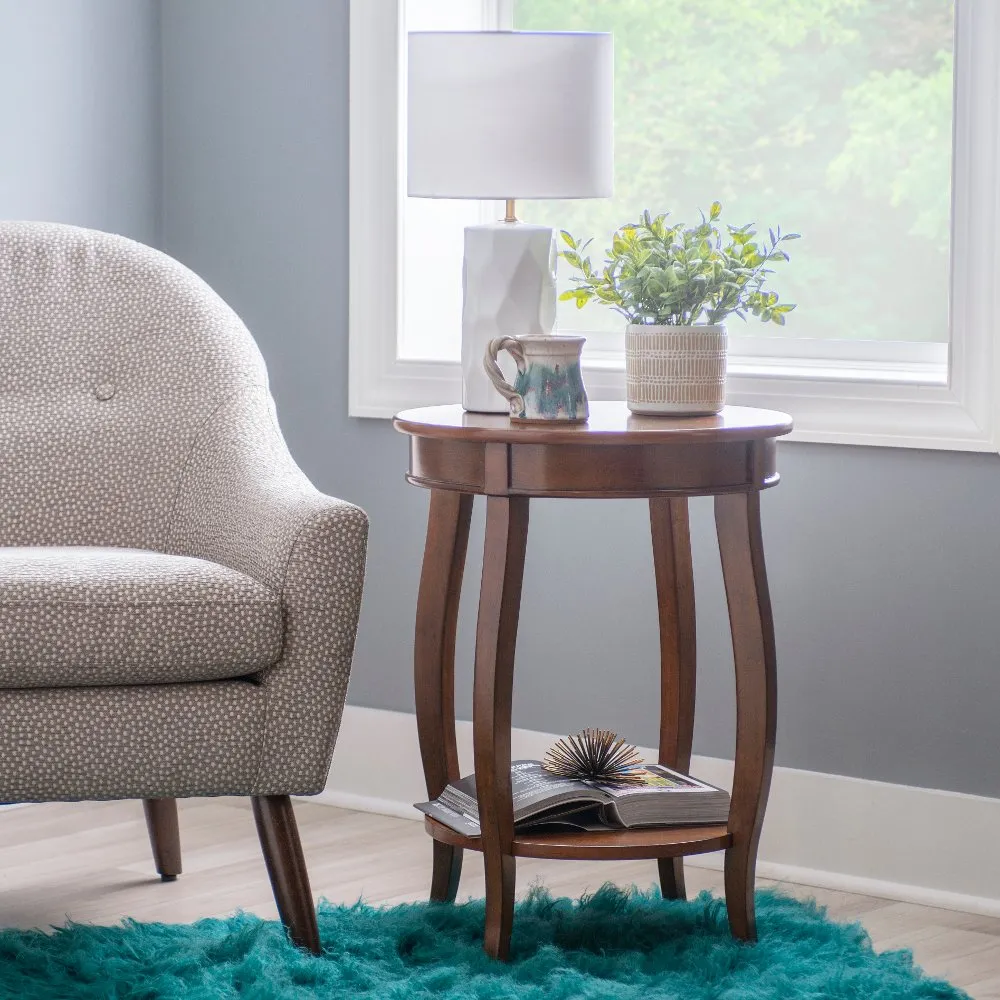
509,290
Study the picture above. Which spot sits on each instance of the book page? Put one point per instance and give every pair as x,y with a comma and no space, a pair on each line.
532,787
656,778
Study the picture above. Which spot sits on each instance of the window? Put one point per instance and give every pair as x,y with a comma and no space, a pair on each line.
870,126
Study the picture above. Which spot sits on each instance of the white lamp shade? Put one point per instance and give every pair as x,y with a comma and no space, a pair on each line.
510,114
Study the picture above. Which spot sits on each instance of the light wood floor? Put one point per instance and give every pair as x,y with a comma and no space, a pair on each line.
91,862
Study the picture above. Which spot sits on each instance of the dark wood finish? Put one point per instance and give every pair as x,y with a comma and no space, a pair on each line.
497,466
286,868
671,872
629,470
605,845
434,662
501,874
446,861
639,456
164,836
732,456
737,521
571,470
674,573
496,636
460,464
609,424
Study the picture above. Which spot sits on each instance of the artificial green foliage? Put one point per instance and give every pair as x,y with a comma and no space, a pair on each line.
625,945
671,275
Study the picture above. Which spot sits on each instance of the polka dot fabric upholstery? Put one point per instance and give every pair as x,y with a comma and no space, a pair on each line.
306,546
158,741
135,413
114,357
74,616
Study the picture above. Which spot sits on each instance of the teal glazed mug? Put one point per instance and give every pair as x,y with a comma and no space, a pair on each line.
549,384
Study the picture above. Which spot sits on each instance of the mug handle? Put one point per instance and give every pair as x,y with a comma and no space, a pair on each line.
513,347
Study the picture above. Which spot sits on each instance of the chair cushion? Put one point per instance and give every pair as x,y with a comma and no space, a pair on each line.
81,616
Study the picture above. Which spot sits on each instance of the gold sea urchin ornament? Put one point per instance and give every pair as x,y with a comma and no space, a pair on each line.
596,755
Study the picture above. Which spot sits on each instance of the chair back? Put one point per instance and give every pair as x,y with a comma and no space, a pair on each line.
112,357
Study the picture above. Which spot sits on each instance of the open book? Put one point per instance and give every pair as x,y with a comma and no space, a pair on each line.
545,801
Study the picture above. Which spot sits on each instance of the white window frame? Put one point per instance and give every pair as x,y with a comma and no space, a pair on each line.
843,392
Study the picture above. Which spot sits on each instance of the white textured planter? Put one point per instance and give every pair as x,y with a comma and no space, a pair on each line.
675,369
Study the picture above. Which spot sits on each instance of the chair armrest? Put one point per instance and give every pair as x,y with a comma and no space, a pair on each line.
244,503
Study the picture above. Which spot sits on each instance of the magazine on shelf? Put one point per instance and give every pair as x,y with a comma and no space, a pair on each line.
547,802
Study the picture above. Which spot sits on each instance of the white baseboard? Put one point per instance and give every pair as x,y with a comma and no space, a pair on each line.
920,845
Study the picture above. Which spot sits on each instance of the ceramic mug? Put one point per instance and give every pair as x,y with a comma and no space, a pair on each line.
549,384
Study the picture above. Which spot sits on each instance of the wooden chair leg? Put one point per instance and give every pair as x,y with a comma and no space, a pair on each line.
286,868
164,836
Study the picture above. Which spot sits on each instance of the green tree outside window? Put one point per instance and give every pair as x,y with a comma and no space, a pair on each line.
834,116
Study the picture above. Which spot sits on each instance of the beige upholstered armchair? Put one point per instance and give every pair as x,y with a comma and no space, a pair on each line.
178,604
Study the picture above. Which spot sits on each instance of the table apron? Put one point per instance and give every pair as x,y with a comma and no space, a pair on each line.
570,470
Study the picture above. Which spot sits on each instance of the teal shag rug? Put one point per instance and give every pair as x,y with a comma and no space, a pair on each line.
621,944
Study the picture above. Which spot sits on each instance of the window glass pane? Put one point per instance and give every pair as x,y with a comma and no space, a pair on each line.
831,118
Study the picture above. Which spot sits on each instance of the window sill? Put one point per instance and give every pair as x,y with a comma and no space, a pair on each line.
839,372
898,410
930,371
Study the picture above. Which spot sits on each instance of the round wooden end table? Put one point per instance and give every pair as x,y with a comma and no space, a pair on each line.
457,455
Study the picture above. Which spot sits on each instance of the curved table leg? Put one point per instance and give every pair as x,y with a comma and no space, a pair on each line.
737,519
496,635
668,520
434,662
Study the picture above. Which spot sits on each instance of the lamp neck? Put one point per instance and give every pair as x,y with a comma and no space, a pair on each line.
509,215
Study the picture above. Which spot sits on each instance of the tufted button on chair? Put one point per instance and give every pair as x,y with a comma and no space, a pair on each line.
178,604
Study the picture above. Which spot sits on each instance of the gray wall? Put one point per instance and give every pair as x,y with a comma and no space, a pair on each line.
885,565
79,113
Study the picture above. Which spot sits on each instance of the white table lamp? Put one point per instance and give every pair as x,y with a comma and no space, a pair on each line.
502,115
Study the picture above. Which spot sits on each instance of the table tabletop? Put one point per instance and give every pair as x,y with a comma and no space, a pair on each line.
610,423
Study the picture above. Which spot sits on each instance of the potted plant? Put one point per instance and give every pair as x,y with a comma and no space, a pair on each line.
676,286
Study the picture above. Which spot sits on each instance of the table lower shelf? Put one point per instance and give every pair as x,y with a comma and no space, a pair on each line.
609,845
